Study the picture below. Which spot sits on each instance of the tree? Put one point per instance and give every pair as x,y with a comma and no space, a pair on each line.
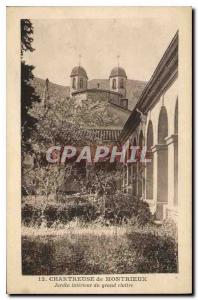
28,95
64,122
26,36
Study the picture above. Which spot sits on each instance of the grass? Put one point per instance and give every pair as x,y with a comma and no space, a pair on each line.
81,248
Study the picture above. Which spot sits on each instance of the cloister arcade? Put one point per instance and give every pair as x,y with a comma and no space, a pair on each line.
156,182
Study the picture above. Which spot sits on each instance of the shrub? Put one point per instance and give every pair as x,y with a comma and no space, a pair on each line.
58,212
30,214
143,213
37,256
114,209
155,254
50,214
84,211
122,207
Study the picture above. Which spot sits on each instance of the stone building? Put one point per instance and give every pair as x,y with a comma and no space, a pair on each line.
118,94
154,123
115,93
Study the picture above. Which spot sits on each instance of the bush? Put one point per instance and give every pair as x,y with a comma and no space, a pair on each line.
143,213
58,212
37,256
30,214
155,254
122,207
50,214
113,209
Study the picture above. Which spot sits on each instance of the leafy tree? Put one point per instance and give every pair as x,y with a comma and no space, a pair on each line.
26,36
28,95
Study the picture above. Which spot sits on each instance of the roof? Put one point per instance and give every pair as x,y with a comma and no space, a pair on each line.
96,90
118,71
105,134
78,71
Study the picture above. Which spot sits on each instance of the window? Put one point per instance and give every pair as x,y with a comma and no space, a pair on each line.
81,83
121,83
114,84
74,83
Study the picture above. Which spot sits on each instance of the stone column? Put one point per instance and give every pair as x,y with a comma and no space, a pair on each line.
131,178
154,200
145,182
127,178
160,179
123,176
170,141
137,179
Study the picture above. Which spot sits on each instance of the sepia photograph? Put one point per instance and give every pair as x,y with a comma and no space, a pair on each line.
100,116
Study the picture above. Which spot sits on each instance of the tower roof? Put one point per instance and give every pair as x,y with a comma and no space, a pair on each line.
118,71
78,71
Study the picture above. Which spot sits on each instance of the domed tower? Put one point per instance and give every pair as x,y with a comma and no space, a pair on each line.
78,79
117,80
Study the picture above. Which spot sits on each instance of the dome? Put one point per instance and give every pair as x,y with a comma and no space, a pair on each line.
118,71
78,71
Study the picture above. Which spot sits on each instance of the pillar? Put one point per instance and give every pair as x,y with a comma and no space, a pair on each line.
171,143
123,178
154,150
160,180
127,178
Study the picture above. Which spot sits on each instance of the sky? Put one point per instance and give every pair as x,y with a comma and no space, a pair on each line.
140,43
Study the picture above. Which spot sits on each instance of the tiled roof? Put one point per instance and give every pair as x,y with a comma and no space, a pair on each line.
106,134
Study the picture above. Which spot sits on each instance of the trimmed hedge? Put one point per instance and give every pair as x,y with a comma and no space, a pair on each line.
112,209
35,215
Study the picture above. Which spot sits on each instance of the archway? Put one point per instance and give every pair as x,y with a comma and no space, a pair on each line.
176,156
149,165
162,164
140,167
134,172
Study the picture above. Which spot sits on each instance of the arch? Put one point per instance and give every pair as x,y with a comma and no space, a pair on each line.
74,83
81,83
149,165
149,137
134,141
114,84
141,139
141,167
162,126
134,172
162,164
175,201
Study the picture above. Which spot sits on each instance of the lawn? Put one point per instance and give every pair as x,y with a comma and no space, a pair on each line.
97,249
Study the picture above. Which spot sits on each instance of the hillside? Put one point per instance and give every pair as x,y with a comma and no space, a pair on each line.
56,91
133,89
